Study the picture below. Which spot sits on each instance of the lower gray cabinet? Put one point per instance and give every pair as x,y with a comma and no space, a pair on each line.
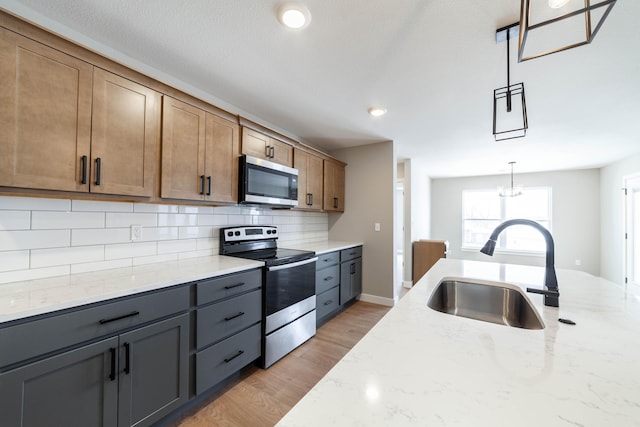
350,274
133,379
75,388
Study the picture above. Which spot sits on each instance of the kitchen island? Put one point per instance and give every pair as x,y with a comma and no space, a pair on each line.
418,366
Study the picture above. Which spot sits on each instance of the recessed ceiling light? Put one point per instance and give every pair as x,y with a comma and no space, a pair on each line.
294,16
377,111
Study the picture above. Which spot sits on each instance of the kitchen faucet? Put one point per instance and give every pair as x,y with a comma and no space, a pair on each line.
551,293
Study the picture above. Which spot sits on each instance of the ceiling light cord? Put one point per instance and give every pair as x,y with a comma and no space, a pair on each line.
508,75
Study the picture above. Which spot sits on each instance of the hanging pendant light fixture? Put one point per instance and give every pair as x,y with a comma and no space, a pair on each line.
514,190
509,117
550,26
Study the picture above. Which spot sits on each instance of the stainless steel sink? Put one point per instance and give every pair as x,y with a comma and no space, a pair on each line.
493,302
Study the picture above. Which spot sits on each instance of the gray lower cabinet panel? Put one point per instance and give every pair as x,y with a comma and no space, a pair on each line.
154,371
350,280
327,278
327,302
225,318
217,362
227,286
71,389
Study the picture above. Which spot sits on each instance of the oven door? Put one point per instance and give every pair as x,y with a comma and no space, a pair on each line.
288,284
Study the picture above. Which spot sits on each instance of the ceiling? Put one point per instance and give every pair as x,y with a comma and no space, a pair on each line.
432,63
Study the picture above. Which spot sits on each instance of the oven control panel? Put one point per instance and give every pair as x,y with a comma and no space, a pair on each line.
248,232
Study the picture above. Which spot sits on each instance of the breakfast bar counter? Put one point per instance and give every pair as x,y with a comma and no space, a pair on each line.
421,367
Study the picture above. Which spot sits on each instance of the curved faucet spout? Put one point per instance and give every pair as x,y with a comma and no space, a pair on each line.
551,296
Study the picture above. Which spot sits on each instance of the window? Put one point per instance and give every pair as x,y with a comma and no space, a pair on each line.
484,210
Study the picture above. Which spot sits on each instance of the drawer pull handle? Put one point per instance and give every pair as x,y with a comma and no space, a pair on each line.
326,279
124,316
112,374
127,358
238,354
329,302
234,286
234,316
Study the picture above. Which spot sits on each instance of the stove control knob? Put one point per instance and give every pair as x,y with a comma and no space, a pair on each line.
237,233
230,233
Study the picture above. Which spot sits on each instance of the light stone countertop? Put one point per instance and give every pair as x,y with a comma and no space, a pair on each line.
324,247
29,298
421,367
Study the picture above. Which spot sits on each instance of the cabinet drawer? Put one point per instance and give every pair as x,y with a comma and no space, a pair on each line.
227,317
26,340
327,278
327,302
326,260
223,359
351,253
226,286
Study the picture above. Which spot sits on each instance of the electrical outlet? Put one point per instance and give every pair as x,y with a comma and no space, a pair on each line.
376,226
136,232
578,262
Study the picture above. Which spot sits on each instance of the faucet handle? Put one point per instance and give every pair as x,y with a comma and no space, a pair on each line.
551,296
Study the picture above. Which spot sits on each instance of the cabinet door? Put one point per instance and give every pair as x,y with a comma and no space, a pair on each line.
183,149
310,172
333,187
350,280
45,116
301,162
154,371
76,388
125,121
255,144
281,153
221,165
314,181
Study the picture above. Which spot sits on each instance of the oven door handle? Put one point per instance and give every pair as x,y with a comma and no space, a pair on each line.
292,265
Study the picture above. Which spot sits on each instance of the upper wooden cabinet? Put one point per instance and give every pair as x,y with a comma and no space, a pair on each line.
262,146
56,137
199,154
45,116
310,173
333,187
124,135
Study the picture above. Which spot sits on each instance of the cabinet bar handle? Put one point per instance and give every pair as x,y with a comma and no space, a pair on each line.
234,286
209,185
127,358
335,203
326,279
234,316
310,199
272,152
353,268
229,359
98,170
202,184
83,164
124,316
267,151
112,374
329,302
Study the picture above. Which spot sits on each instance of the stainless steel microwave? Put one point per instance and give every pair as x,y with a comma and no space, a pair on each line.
266,183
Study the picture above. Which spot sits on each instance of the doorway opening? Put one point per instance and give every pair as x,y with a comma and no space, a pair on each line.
632,230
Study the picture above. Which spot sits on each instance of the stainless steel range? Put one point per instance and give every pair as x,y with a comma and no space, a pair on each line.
289,287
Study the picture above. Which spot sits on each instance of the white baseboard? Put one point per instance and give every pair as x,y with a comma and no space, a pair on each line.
376,300
407,284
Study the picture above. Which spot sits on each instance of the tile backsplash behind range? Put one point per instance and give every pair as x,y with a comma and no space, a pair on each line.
42,237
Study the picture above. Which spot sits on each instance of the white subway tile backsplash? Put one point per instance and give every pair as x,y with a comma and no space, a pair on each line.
14,260
33,273
130,250
33,239
102,265
34,203
128,219
99,206
42,237
173,220
176,246
15,220
61,256
43,220
100,236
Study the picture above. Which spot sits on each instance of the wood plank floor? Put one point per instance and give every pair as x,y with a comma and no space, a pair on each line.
262,397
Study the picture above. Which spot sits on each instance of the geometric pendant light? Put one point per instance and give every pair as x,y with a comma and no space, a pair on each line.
512,191
509,104
550,26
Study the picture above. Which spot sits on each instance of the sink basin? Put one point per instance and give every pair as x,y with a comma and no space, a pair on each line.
493,302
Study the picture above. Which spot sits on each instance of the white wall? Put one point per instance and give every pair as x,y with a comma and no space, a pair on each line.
42,237
575,216
612,214
370,196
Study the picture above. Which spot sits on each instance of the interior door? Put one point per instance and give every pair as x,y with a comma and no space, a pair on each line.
632,232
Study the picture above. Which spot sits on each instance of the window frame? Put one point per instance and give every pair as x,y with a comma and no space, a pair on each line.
501,249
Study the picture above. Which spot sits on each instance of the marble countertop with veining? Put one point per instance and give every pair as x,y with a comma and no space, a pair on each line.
421,367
